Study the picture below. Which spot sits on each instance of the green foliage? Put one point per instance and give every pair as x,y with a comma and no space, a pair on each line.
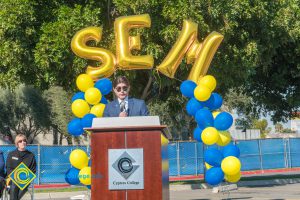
17,37
262,125
278,127
260,51
179,123
55,63
23,111
287,130
59,102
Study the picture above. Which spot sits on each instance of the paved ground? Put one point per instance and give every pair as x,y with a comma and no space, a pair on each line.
272,192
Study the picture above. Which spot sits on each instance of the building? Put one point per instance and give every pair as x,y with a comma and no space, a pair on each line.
295,125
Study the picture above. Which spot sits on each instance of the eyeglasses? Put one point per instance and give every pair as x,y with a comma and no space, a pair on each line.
124,88
20,141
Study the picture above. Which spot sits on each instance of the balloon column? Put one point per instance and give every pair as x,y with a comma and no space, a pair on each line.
212,129
86,105
80,171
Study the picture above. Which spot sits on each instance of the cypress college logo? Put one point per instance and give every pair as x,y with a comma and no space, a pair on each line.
126,169
22,176
125,165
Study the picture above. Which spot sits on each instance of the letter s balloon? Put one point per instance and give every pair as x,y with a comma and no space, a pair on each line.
80,48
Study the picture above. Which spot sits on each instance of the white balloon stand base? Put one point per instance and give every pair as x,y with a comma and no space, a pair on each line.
81,197
224,188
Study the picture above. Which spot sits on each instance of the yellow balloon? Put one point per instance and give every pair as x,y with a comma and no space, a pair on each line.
98,109
202,93
84,82
231,165
210,135
165,165
79,159
80,108
164,140
126,43
207,166
224,138
85,176
215,114
92,95
209,81
105,57
233,178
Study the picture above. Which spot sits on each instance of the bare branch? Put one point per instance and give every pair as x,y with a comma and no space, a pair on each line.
146,91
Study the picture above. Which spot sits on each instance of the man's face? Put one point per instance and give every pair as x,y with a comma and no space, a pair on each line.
121,91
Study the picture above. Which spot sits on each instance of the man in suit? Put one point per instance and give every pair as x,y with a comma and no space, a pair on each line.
124,106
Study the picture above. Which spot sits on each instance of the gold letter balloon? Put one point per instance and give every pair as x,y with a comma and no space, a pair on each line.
80,48
187,44
126,43
200,54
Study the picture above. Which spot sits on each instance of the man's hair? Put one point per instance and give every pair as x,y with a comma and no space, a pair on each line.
121,79
18,137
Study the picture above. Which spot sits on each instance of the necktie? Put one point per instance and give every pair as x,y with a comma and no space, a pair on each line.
122,106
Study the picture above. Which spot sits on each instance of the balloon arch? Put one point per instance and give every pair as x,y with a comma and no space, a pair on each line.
221,160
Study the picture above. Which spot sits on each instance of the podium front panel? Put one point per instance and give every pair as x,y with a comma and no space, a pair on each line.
155,181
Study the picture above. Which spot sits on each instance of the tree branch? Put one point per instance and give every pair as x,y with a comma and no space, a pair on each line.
146,91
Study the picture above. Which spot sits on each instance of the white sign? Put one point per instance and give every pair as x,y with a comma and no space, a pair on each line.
125,169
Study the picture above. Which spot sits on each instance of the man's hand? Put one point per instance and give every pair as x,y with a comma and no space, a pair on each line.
123,114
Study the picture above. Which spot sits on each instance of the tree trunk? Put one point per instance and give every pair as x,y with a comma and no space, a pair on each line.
55,135
146,90
61,138
69,140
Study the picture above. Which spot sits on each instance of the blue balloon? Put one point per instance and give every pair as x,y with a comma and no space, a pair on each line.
210,102
187,88
192,106
223,121
217,101
231,150
74,127
104,85
204,118
214,102
197,134
87,120
71,176
103,100
214,176
88,186
78,95
213,156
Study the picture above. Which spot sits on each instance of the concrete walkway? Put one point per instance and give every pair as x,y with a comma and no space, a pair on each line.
272,192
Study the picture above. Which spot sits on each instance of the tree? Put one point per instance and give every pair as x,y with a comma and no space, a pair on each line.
279,127
179,123
262,125
59,102
23,111
54,60
259,51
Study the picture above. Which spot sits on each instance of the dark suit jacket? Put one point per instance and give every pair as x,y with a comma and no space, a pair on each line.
136,107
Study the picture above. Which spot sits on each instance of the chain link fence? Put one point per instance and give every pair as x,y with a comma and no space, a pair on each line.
185,158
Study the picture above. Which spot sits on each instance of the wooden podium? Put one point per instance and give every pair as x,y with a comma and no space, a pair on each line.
117,170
